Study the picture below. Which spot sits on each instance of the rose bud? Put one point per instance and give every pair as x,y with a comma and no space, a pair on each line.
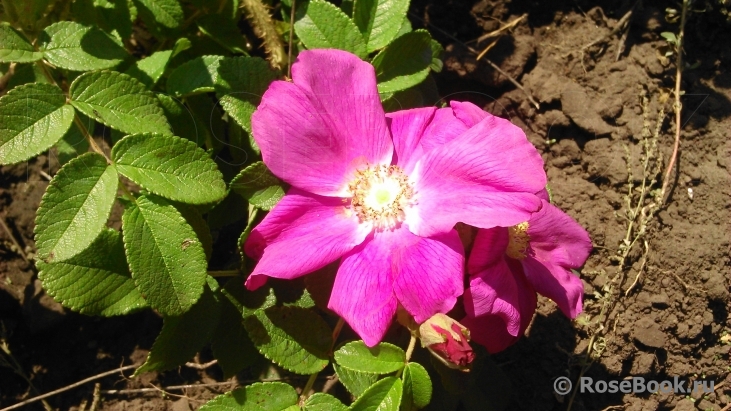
448,341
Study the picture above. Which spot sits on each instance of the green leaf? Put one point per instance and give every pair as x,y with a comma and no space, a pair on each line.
94,282
230,343
149,70
385,395
323,402
240,84
199,225
436,56
75,207
171,167
181,119
15,47
267,396
379,20
75,47
71,145
167,14
223,31
167,261
184,335
321,25
34,117
355,382
384,358
403,63
297,339
258,186
118,101
405,27
195,76
417,387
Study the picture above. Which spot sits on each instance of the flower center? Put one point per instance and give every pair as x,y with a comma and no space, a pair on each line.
518,241
380,196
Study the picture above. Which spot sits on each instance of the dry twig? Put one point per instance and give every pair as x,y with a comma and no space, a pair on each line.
12,239
488,61
68,387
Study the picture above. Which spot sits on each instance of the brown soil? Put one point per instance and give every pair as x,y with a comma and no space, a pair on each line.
674,322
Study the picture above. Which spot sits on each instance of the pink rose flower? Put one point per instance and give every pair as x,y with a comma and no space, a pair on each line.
370,190
507,266
448,341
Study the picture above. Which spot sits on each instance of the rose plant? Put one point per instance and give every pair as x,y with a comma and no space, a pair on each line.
343,190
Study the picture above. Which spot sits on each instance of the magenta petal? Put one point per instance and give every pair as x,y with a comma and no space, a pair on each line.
557,244
429,272
314,132
488,249
485,178
304,232
444,128
468,113
557,237
496,330
407,128
490,331
495,292
363,290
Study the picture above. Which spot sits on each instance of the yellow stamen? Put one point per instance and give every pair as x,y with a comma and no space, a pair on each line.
518,242
380,196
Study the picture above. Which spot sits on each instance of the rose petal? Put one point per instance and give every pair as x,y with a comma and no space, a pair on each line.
495,292
407,128
314,133
488,249
557,237
485,178
428,272
556,283
492,330
302,233
444,128
468,113
363,290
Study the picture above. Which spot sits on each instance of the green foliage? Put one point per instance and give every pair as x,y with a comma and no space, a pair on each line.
34,117
385,395
258,186
167,260
320,24
297,339
355,382
195,76
178,97
75,207
384,358
323,402
379,21
417,387
184,335
76,47
268,396
94,282
404,63
161,14
240,84
118,101
15,47
223,31
171,167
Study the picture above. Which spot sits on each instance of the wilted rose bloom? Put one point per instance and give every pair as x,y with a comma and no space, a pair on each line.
507,266
448,341
370,191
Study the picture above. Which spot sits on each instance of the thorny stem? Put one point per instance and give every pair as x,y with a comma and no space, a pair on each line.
291,39
677,107
336,332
